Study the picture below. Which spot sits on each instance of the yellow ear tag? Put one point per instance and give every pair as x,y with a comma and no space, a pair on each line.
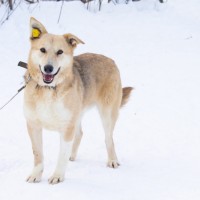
35,33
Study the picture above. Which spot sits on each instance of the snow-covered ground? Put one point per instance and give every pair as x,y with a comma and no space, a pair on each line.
157,49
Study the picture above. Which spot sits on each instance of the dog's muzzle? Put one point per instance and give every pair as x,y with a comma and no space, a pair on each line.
48,77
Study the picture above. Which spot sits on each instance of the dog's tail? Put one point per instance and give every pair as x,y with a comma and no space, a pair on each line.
126,91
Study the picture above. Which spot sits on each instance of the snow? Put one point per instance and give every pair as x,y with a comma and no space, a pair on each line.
156,47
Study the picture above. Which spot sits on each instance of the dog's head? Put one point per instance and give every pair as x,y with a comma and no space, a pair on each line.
51,56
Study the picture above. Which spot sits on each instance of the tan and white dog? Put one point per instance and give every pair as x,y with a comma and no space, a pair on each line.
60,87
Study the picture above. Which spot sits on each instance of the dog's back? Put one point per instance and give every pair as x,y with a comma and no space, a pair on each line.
100,79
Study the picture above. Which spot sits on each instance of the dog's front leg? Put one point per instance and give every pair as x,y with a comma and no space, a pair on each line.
63,158
35,133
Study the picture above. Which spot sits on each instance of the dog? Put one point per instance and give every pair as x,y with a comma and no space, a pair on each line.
59,89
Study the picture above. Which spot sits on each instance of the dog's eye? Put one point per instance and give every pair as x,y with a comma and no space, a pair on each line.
59,52
43,50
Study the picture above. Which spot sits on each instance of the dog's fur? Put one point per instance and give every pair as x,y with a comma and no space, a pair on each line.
58,104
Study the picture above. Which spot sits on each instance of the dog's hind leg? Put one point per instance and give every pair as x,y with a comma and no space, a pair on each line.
35,133
109,116
76,143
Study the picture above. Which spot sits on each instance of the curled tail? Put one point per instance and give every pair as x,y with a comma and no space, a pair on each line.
126,91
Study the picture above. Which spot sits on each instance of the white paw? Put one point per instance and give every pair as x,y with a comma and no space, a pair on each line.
34,178
55,179
36,174
113,164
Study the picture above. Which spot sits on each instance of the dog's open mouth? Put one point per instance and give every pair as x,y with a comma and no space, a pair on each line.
48,78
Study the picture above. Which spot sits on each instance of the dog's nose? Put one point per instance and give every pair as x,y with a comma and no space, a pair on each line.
48,69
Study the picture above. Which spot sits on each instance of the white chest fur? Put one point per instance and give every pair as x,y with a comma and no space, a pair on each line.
50,112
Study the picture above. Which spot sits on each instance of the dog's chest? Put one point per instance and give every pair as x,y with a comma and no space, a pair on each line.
51,113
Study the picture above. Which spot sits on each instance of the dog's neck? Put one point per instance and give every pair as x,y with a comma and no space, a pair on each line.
45,87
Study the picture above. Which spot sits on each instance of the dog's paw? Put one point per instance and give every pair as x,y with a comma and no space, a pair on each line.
55,179
113,164
34,178
36,174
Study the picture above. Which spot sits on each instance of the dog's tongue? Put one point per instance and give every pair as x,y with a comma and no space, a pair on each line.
48,77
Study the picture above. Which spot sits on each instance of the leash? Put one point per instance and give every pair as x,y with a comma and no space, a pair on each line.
24,65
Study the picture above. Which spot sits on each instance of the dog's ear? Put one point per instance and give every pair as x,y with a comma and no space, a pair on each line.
36,29
72,40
